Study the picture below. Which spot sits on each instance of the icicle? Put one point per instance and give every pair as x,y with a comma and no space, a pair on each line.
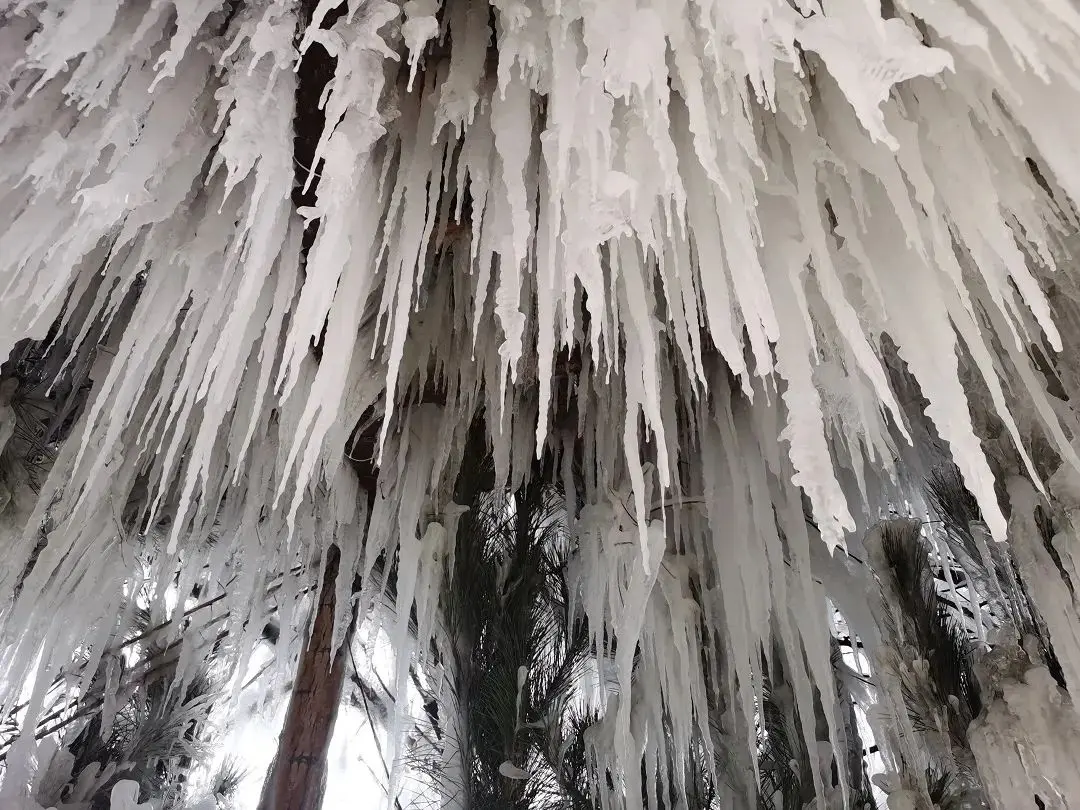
511,123
867,64
125,796
458,95
419,28
1051,594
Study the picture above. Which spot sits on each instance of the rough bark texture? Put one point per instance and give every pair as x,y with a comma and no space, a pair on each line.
297,777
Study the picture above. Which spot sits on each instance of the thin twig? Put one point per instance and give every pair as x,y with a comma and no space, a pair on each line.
374,733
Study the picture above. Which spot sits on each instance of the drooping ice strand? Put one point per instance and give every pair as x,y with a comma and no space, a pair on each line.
736,273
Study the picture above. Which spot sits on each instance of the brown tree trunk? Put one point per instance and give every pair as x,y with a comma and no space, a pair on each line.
297,776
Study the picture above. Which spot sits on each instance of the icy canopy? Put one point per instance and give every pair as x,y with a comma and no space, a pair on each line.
703,259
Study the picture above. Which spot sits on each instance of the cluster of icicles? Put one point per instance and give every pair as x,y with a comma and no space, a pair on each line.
660,244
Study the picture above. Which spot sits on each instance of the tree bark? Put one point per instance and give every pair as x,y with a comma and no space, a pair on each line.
297,776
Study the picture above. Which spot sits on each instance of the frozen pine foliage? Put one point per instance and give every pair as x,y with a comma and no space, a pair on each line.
731,275
1027,740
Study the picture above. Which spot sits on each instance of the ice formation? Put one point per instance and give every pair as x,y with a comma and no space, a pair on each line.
703,260
1027,741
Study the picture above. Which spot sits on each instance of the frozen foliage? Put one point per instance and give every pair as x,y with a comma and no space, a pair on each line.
1028,739
713,263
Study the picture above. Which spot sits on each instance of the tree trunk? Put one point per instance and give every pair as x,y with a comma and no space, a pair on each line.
297,776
